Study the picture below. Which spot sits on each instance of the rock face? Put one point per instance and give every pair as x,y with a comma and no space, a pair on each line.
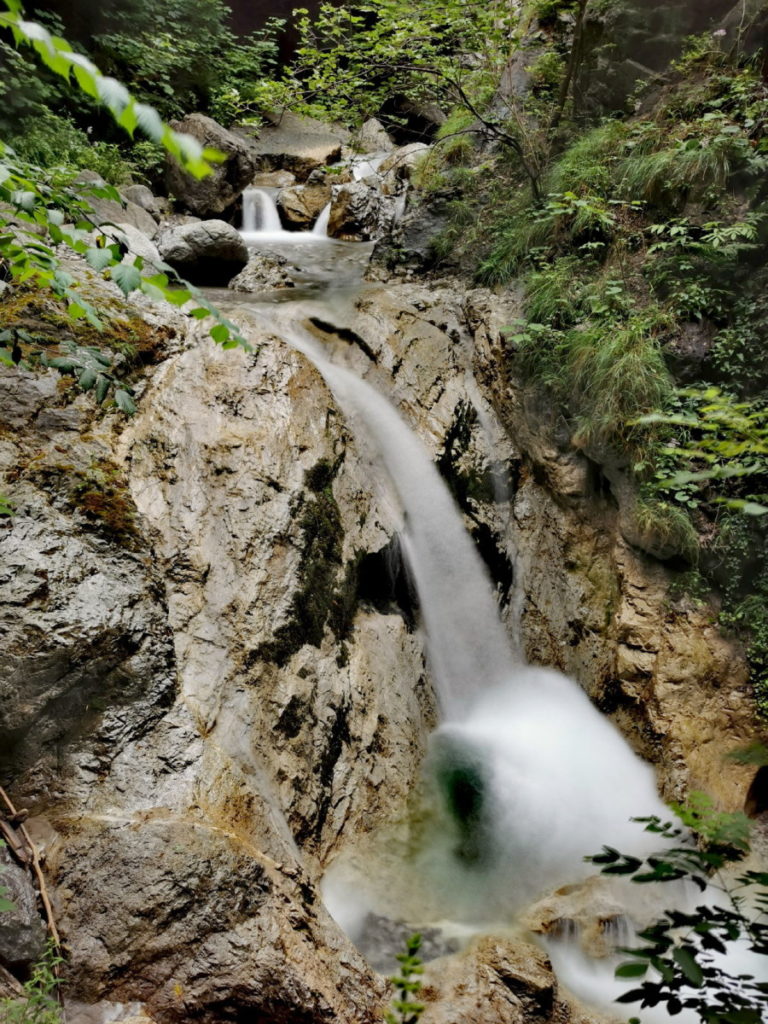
22,932
601,610
207,252
296,144
214,689
218,191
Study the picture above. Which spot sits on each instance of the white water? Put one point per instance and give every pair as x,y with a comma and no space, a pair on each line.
261,223
321,225
260,212
557,780
468,648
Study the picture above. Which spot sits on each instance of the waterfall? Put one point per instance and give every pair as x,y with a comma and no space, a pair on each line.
530,777
321,225
468,648
260,211
261,223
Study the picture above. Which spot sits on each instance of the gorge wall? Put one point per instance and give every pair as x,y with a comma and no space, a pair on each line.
212,689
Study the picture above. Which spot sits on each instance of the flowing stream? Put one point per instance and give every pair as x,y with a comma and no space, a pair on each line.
526,776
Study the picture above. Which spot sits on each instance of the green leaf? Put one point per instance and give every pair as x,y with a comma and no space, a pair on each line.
178,296
102,388
87,378
124,402
686,960
99,259
6,905
631,970
220,333
126,277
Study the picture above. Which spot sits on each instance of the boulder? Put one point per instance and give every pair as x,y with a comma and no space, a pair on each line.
411,120
301,205
157,206
495,980
399,165
355,212
373,138
412,246
360,213
265,270
208,252
109,211
137,244
296,144
273,179
219,190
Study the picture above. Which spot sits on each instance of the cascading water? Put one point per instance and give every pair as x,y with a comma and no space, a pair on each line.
261,224
260,214
533,777
321,225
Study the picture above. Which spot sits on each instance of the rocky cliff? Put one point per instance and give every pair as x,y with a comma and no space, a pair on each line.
212,677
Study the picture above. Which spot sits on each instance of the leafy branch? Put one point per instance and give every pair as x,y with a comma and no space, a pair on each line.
683,960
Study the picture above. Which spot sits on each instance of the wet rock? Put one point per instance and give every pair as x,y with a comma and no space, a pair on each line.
264,271
494,980
296,144
410,246
222,188
208,252
359,212
22,931
301,205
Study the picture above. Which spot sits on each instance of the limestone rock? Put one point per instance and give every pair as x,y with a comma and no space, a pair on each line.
22,932
373,137
495,980
217,191
273,179
136,243
208,252
142,196
108,211
360,212
296,144
264,270
400,164
301,205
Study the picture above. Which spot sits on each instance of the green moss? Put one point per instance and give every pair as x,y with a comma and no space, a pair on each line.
98,491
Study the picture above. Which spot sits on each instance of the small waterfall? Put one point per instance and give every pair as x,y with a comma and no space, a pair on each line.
260,214
321,225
